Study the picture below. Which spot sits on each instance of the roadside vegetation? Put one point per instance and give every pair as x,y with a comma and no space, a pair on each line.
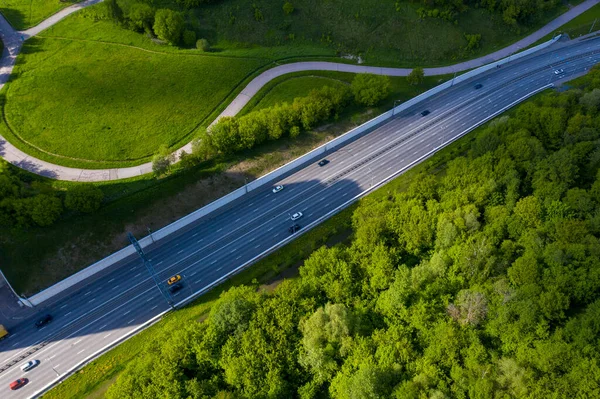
34,257
476,271
23,14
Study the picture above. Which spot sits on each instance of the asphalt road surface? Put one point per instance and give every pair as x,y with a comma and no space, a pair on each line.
114,305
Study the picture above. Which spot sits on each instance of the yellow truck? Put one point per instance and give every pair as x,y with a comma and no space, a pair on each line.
3,332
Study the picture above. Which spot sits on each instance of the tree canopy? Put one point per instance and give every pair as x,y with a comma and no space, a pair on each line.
478,281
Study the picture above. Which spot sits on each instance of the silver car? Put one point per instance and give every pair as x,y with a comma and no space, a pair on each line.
277,189
29,365
296,216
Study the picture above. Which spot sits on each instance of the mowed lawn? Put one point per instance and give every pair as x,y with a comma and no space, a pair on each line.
23,14
105,102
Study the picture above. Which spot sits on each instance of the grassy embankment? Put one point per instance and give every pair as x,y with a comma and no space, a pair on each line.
23,14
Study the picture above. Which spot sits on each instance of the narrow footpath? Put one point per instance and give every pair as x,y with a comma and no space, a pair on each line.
13,41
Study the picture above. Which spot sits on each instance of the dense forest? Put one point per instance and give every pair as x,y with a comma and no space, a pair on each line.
479,281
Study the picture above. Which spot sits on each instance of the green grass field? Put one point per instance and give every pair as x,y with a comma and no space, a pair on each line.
115,103
23,14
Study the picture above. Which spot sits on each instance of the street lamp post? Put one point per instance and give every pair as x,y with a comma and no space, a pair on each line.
52,366
150,233
150,269
394,107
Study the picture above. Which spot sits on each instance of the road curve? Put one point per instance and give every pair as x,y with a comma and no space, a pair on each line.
12,45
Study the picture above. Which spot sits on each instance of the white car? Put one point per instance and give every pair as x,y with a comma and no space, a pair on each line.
277,189
29,365
559,71
296,216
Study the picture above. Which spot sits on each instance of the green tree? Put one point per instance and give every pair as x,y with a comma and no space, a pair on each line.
141,17
591,100
370,89
323,335
161,163
169,25
45,209
84,198
416,76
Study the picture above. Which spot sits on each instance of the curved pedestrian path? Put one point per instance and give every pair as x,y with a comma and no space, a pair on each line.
12,45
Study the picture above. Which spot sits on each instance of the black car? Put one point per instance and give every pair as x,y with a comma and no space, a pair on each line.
175,287
425,113
323,162
294,228
43,321
478,86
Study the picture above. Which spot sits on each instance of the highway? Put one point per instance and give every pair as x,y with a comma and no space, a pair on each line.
116,304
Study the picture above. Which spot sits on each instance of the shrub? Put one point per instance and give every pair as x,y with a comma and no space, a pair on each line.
294,131
369,89
168,25
202,44
288,8
189,38
44,209
416,76
161,163
84,198
473,41
141,17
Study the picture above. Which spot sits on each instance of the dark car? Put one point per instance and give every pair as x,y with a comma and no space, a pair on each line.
175,287
478,86
294,228
425,113
43,321
18,383
323,162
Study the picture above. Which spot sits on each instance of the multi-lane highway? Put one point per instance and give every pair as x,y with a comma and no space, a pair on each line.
119,302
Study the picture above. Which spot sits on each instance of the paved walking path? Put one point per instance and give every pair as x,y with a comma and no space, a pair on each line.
13,40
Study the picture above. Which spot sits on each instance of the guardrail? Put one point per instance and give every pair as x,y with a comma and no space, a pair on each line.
268,178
